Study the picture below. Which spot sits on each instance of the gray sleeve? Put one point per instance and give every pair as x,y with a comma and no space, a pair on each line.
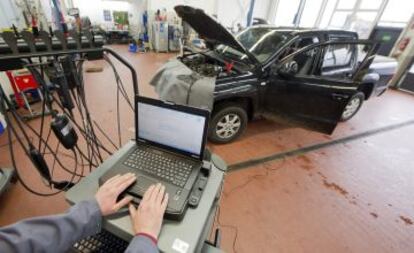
52,233
141,244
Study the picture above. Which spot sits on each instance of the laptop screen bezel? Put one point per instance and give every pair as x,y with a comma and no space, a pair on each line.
176,107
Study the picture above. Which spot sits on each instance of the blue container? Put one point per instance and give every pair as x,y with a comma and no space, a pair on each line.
133,48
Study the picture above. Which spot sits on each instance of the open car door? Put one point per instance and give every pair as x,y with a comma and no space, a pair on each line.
311,87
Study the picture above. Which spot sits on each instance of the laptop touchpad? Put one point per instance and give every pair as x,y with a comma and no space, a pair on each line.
142,184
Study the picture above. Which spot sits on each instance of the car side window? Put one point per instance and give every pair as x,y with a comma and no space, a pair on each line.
340,61
338,56
305,62
298,44
333,61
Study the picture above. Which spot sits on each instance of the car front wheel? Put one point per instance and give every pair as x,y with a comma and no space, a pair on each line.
353,106
228,123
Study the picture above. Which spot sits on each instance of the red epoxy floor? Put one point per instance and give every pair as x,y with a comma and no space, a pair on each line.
352,197
357,197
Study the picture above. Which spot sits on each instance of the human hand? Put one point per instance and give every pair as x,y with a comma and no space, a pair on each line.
148,217
108,193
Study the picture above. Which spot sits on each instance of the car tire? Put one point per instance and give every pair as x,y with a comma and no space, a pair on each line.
228,122
353,106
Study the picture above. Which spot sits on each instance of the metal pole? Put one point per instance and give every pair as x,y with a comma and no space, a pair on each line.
321,13
250,13
379,15
298,15
333,12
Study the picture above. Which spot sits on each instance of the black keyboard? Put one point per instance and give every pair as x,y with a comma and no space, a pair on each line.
102,242
168,169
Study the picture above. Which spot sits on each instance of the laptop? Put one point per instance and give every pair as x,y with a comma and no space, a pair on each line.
170,143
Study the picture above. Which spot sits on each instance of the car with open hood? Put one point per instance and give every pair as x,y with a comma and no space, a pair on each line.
304,77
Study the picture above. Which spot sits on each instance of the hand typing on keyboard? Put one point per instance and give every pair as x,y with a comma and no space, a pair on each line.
147,218
108,193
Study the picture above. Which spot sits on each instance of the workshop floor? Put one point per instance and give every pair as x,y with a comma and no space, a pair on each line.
288,189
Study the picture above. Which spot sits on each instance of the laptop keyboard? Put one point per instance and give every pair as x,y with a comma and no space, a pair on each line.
169,169
104,242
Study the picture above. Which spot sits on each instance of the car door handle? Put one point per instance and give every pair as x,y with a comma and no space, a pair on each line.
339,96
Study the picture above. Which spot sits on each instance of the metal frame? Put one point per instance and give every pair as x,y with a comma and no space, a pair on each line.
357,8
79,51
320,13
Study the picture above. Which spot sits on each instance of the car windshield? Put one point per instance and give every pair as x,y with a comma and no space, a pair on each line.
260,42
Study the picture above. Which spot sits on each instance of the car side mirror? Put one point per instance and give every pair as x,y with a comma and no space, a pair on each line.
288,69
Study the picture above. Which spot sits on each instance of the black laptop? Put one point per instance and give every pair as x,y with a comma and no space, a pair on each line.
170,142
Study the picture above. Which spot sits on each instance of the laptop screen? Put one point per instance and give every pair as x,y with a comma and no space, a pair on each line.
180,130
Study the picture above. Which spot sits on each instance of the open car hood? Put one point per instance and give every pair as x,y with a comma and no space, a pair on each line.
209,29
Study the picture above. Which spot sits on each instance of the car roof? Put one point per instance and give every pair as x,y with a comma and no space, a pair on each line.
304,31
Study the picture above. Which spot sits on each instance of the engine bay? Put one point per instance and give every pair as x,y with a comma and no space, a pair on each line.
205,66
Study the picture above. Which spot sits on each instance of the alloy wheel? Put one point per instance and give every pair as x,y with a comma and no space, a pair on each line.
351,107
228,126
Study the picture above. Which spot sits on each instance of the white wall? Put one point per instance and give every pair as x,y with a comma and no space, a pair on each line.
261,9
9,14
94,10
231,12
209,6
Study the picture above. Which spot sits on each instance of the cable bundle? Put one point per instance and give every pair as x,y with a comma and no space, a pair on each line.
71,123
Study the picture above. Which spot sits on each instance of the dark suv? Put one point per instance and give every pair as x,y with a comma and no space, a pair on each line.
308,78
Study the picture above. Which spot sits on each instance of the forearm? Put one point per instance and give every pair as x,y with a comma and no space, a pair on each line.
52,233
142,244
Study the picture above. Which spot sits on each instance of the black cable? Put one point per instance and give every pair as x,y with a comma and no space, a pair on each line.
87,132
11,129
81,92
118,118
104,134
88,143
20,124
89,135
47,140
83,132
50,99
120,89
94,144
82,155
78,105
69,156
54,160
42,121
49,148
119,82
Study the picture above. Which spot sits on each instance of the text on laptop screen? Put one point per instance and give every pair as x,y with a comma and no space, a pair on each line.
175,129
